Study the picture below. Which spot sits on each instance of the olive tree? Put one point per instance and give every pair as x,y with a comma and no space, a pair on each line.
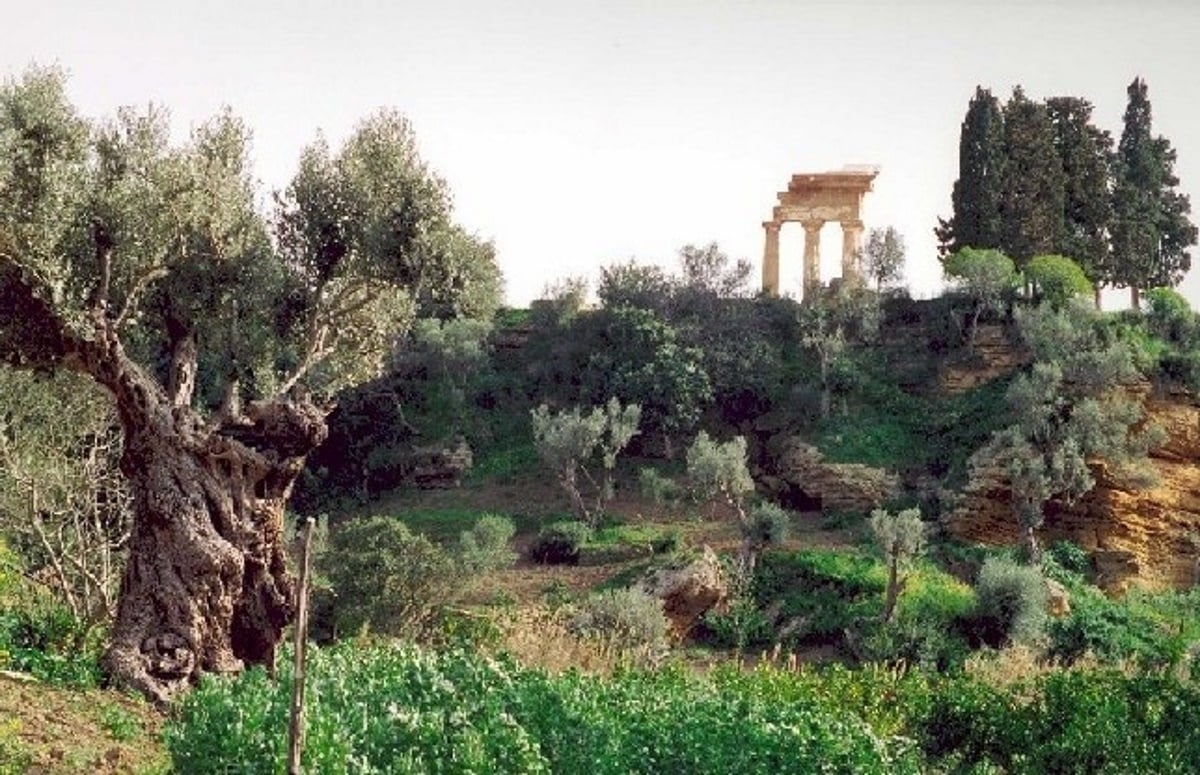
1071,409
901,536
568,440
883,256
220,335
987,277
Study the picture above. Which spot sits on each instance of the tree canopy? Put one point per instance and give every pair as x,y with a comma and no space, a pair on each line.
1151,231
220,334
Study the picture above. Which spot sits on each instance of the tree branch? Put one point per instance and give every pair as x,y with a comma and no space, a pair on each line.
32,335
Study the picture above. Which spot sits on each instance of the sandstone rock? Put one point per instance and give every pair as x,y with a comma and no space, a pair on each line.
993,356
802,478
688,592
1137,537
1058,599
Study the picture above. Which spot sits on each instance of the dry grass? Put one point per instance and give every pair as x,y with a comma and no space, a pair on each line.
537,636
1019,664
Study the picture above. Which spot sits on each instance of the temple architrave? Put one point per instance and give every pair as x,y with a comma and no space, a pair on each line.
812,199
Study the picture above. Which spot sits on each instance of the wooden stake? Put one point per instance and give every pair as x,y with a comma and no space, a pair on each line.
296,728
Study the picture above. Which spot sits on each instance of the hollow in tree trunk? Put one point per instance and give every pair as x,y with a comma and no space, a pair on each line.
206,588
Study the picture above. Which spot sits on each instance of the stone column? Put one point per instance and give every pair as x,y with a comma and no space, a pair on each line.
770,265
851,237
812,256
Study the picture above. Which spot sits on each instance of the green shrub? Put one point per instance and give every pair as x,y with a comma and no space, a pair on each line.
658,488
384,577
741,624
1154,629
42,637
928,628
819,593
485,546
627,619
1011,602
1070,557
1066,722
558,543
769,524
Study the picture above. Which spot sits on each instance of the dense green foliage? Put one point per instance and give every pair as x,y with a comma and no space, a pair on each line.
977,221
402,710
1151,231
1031,191
399,710
1040,178
40,635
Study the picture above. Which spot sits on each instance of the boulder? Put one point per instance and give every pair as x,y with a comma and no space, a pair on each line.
801,479
1058,599
688,592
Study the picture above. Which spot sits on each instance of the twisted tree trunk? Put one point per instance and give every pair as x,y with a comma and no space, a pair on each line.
206,588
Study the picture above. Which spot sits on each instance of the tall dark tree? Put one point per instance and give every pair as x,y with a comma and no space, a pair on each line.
147,268
1086,154
1151,231
976,222
1031,192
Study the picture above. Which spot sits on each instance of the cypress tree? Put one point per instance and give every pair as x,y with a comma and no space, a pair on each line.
1031,191
975,221
1151,231
1086,155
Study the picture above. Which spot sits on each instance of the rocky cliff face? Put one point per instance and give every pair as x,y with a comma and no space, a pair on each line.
1147,538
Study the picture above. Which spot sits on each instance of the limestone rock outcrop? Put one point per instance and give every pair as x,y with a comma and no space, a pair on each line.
802,479
993,355
1148,538
688,592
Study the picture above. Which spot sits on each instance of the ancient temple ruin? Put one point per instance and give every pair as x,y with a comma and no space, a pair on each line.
812,199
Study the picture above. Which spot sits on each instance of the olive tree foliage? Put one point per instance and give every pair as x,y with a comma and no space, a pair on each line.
219,333
830,323
901,537
63,503
987,277
1071,411
883,256
719,470
568,441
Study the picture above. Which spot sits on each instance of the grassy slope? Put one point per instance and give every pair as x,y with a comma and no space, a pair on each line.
45,729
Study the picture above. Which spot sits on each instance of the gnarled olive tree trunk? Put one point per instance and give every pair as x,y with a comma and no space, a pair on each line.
206,588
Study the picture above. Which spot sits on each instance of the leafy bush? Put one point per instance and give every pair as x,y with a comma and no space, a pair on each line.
741,624
819,593
769,524
1154,629
42,637
1066,722
627,619
404,710
486,545
558,543
1057,279
1069,557
384,577
1011,602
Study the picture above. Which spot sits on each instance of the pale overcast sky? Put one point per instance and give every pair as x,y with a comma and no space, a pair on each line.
576,134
